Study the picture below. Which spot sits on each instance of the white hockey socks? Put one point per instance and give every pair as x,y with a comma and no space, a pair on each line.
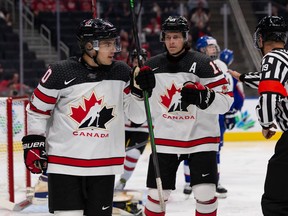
153,207
130,163
206,202
208,208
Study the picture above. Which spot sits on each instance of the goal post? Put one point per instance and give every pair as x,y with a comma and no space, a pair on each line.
13,126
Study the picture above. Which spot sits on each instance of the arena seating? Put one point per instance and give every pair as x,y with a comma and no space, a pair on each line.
10,55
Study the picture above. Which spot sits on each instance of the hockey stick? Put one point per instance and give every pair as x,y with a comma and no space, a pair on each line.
94,11
138,145
148,113
15,206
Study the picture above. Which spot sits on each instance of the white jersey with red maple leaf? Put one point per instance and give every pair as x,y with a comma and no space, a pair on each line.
182,129
131,126
223,67
81,112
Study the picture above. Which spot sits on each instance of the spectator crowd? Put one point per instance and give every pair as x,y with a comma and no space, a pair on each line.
153,13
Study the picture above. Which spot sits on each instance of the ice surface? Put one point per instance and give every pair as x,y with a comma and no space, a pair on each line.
243,169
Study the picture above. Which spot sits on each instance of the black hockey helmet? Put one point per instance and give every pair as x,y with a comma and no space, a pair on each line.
94,30
143,54
175,24
271,28
178,24
134,55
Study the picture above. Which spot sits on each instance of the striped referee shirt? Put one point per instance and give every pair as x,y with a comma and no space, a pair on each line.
272,87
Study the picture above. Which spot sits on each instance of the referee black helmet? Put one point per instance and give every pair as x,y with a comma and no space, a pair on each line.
270,28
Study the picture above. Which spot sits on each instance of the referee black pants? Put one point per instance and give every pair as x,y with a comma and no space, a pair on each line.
275,198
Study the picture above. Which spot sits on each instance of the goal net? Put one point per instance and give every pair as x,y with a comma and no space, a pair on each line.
14,176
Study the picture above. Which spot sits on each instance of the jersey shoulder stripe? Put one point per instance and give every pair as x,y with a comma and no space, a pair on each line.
192,62
70,72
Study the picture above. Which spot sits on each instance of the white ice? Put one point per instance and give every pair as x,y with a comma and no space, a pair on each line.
243,170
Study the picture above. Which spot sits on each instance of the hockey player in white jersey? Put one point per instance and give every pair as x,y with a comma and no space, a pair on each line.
135,134
189,130
209,46
82,150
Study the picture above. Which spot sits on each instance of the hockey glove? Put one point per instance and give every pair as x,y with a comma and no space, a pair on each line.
143,80
230,119
35,156
197,94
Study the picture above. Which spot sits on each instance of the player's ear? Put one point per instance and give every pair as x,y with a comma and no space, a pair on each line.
88,46
89,49
260,42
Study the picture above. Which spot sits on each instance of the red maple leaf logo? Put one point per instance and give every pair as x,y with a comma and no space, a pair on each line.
167,98
78,113
224,88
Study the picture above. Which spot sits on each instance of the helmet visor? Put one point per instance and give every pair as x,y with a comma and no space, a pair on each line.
107,44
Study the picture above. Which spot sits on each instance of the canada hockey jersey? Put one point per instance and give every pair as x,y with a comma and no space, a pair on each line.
235,86
131,126
179,129
238,94
80,110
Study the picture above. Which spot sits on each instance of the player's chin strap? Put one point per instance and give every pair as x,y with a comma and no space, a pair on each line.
94,57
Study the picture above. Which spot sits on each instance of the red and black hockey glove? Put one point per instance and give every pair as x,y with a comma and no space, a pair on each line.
197,94
230,119
35,156
143,80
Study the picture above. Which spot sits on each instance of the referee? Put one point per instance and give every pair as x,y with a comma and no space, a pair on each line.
272,82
